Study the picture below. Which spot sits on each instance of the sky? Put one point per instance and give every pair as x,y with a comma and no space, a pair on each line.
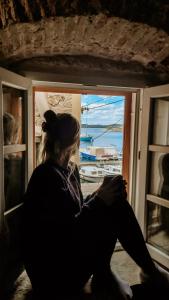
103,110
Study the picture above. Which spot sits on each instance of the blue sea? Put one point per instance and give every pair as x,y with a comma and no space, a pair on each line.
102,138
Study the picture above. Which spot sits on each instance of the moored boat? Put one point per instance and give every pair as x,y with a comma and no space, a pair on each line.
113,170
96,174
99,153
92,173
86,138
87,156
104,153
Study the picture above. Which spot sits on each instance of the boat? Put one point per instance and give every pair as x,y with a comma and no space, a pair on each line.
99,153
113,170
96,174
86,138
92,173
87,156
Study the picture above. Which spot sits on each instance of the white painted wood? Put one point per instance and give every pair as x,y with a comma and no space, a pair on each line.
151,95
157,91
141,213
76,111
14,148
158,256
137,183
14,80
158,200
158,148
10,79
82,86
134,144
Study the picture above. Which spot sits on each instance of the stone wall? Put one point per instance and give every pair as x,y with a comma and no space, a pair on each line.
104,37
154,13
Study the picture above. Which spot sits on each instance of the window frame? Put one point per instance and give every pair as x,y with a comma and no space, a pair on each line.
12,80
96,90
148,96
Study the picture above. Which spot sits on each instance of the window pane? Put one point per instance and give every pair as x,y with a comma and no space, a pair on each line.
13,115
14,178
159,183
158,227
161,122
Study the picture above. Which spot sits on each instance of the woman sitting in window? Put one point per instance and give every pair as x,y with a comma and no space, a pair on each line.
68,240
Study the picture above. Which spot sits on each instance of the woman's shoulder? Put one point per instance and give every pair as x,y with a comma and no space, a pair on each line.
41,173
41,168
45,169
44,175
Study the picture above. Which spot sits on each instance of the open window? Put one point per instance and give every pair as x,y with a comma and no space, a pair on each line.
153,211
16,164
20,137
19,143
105,118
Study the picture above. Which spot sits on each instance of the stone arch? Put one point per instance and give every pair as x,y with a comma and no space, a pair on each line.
101,36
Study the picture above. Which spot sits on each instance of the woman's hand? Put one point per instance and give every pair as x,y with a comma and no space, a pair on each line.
112,189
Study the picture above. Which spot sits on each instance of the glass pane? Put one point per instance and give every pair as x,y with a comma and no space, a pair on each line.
161,122
14,178
13,115
159,183
158,227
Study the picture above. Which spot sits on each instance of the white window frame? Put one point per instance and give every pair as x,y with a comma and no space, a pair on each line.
13,80
148,95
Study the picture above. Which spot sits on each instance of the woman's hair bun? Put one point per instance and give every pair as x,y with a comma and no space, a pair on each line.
50,116
51,122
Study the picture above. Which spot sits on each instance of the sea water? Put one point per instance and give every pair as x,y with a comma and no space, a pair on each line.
102,138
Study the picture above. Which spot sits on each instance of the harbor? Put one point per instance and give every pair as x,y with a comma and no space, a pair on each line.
97,161
100,163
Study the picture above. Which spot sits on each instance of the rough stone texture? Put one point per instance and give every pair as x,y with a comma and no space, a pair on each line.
122,39
110,38
154,13
101,43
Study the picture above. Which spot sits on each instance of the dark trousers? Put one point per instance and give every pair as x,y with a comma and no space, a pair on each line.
93,244
98,236
145,291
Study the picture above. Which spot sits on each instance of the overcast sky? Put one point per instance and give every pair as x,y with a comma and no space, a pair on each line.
102,109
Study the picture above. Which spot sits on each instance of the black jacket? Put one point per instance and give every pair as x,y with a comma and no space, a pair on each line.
54,218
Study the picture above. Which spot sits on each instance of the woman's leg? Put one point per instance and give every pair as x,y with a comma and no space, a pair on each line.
98,239
99,234
101,230
119,221
131,237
